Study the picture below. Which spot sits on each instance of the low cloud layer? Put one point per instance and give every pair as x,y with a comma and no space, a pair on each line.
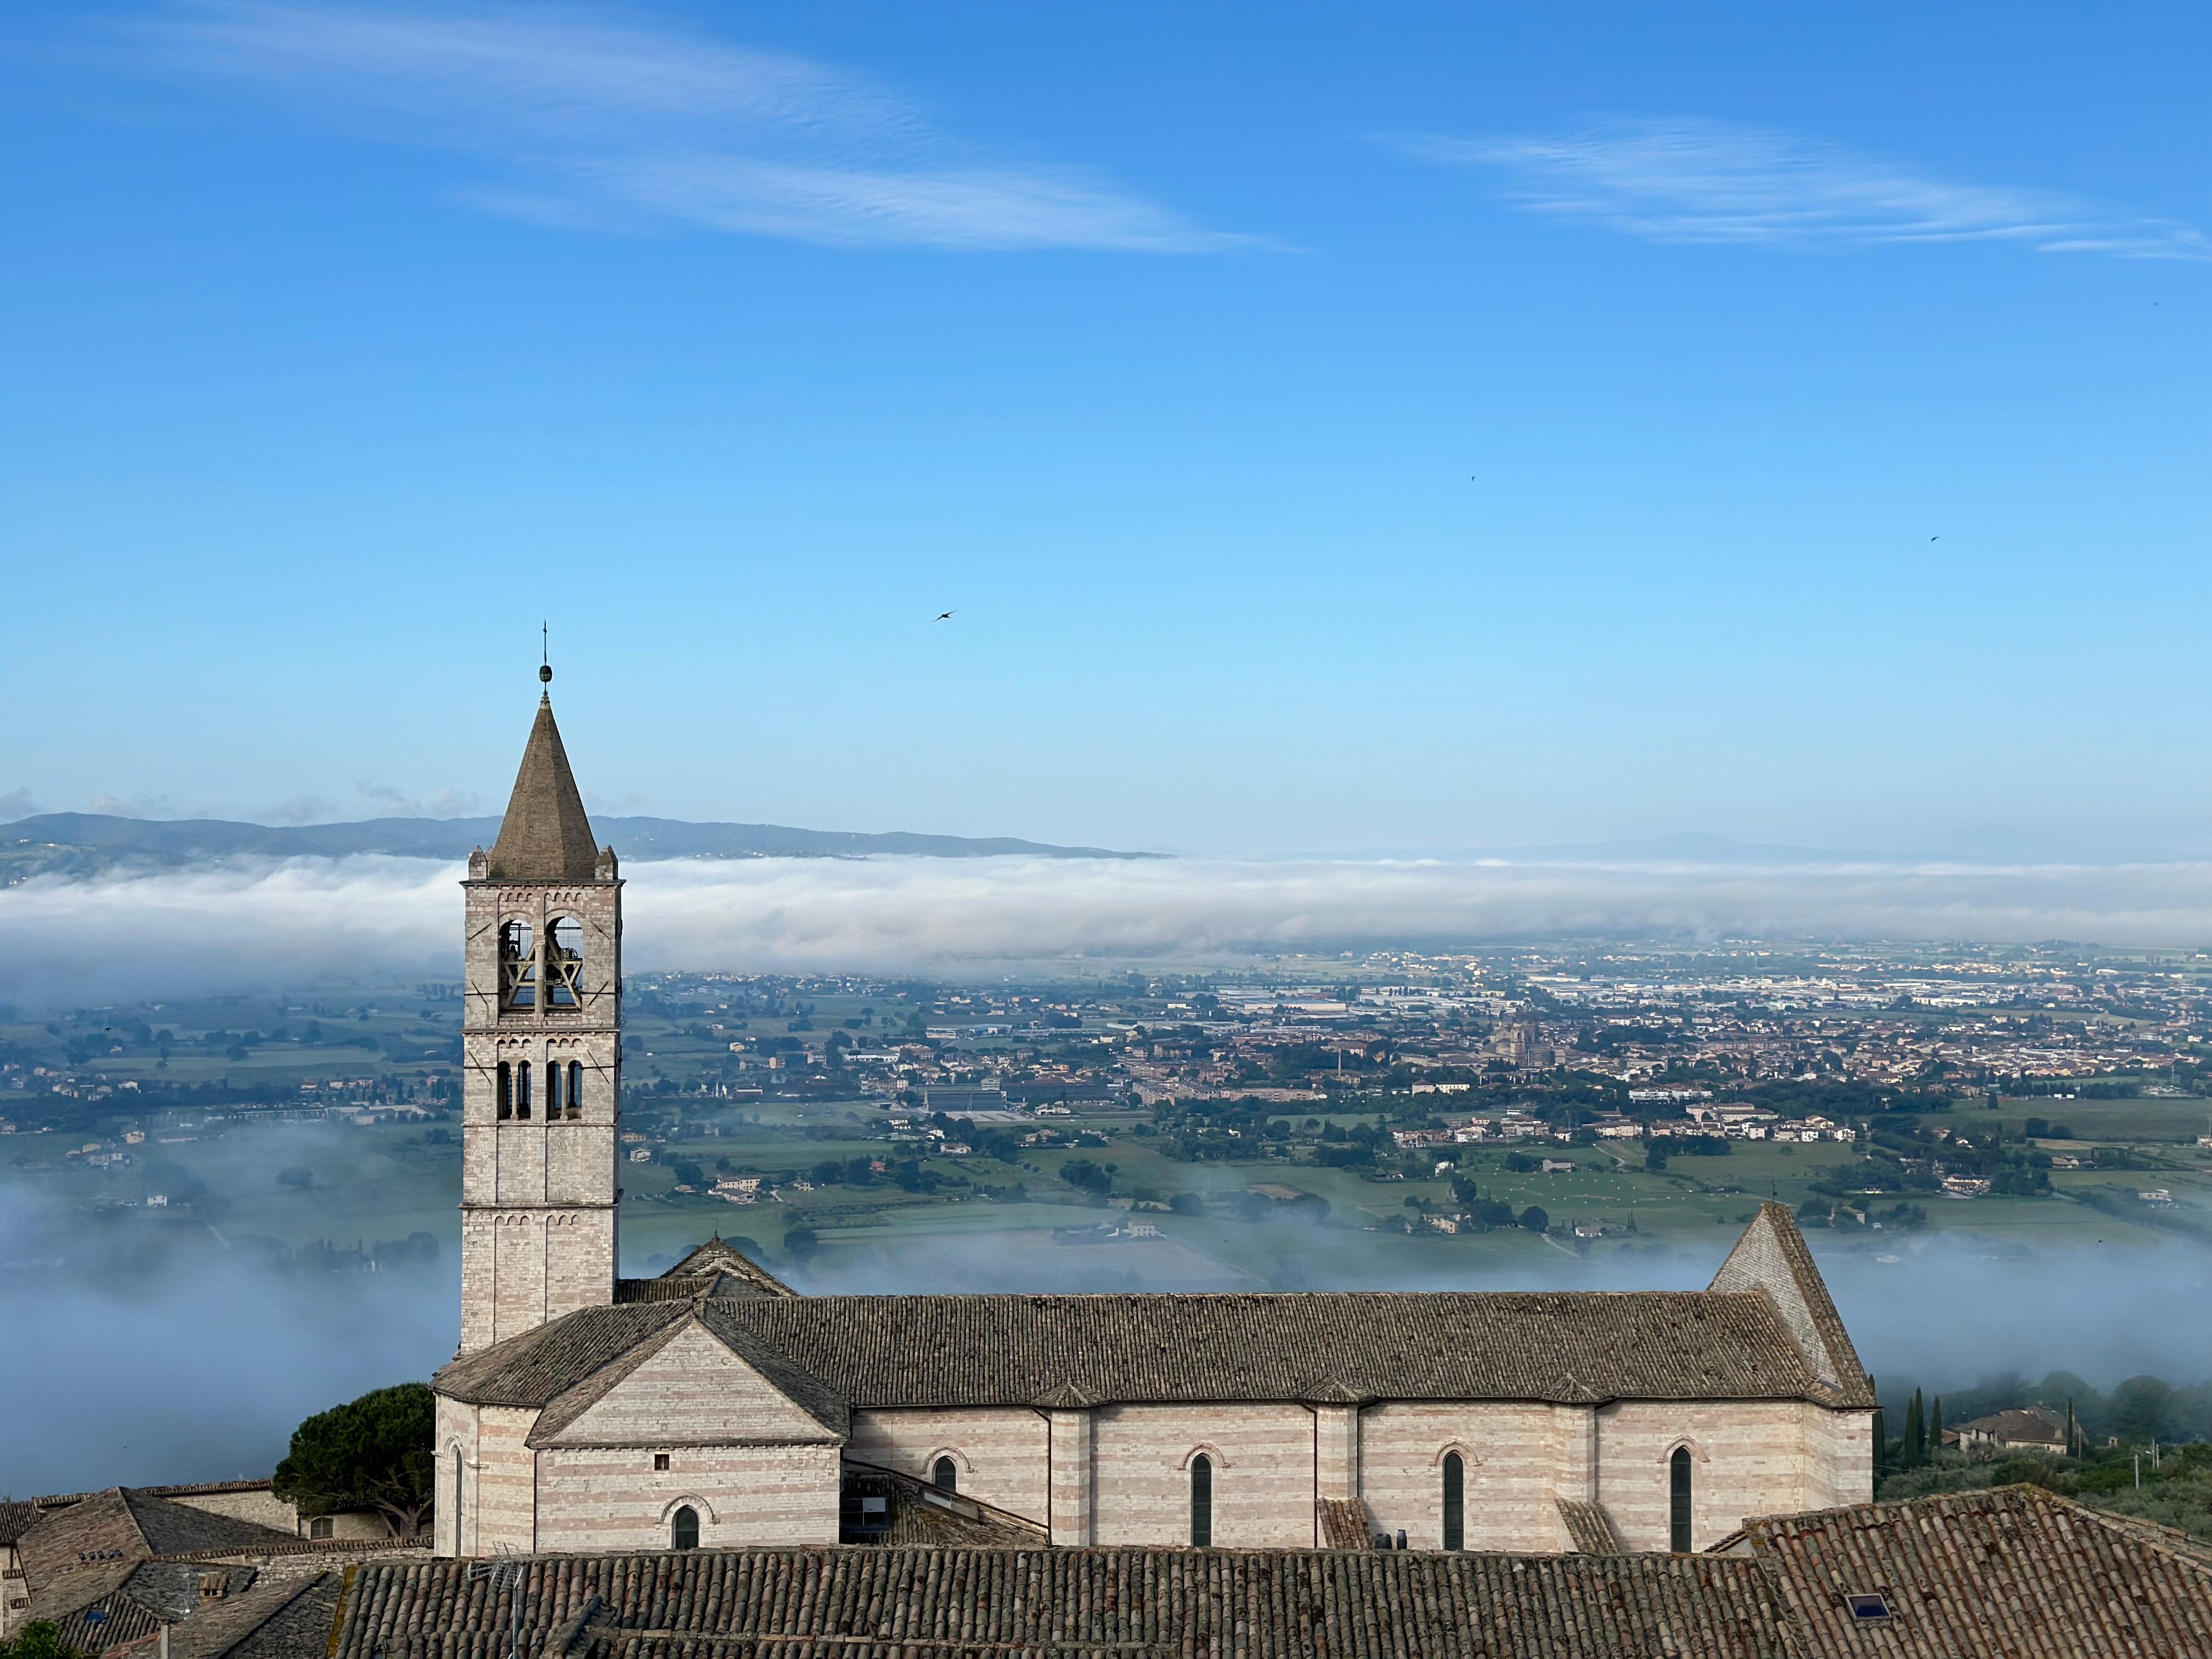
252,924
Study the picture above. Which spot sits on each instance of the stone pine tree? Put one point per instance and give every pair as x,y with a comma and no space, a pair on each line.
375,1452
1915,1437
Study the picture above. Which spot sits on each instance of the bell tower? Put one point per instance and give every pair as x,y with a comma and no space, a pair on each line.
541,1038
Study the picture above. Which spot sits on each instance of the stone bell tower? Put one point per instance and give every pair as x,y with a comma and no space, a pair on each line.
541,1037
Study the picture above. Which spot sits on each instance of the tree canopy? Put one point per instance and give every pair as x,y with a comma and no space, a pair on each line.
377,1452
40,1639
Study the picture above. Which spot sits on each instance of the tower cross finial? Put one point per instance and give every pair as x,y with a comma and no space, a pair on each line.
544,652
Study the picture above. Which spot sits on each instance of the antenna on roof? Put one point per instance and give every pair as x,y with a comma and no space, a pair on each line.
545,653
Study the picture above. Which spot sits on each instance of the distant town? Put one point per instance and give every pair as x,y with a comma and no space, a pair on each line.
1581,1093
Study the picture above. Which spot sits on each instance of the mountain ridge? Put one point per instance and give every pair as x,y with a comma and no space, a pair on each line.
83,843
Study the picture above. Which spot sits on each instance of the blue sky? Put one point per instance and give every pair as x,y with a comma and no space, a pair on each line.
1388,427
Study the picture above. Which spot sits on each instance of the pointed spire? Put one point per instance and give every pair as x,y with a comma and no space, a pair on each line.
545,836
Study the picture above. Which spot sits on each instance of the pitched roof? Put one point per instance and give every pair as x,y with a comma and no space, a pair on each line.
545,836
1590,1526
817,1401
2013,1572
2035,1424
725,1259
100,1607
1577,1347
289,1619
937,1603
125,1523
1773,1260
1343,1523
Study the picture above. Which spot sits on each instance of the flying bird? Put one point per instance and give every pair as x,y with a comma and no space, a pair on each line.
1935,539
944,615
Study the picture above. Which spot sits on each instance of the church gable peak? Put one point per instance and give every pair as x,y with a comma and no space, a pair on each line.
546,834
1773,1260
695,1383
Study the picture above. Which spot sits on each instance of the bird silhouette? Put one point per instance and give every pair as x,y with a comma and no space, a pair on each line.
944,615
1935,539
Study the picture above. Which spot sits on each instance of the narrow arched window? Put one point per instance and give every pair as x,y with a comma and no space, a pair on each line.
457,1501
575,1089
684,1529
517,966
506,1091
1201,1502
1455,1501
1678,1501
564,963
945,1476
522,1090
552,1090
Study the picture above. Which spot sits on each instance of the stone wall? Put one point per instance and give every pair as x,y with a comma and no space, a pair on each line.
1001,1452
538,1194
758,1471
692,1392
614,1498
1517,1456
1263,1474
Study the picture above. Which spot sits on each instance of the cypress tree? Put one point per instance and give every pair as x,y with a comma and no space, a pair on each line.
1935,1428
2072,1450
1880,1430
1915,1438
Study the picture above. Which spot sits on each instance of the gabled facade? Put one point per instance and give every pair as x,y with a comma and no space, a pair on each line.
713,1406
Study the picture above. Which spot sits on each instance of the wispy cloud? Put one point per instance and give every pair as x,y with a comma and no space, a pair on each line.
237,926
585,125
1710,181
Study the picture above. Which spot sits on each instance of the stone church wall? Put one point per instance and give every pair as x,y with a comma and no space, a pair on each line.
1514,1459
1749,1458
497,1477
1000,1451
1263,1474
601,1498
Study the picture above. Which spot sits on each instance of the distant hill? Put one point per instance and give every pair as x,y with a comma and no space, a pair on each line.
86,843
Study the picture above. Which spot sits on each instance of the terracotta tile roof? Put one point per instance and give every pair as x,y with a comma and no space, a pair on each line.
921,1514
1773,1260
719,1257
2034,1425
545,836
882,1351
1343,1523
1590,1526
929,1603
99,1609
123,1523
2015,1573
16,1517
290,1619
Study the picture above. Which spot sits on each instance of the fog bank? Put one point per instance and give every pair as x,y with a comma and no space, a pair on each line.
258,923
198,1367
